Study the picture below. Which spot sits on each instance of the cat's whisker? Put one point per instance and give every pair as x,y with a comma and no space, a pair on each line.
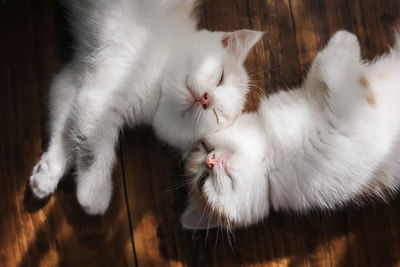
256,81
210,211
259,89
208,228
175,187
180,183
216,237
201,217
269,70
197,225
256,72
230,235
191,190
198,115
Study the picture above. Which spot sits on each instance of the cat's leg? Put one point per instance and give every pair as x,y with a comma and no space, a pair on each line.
95,128
55,161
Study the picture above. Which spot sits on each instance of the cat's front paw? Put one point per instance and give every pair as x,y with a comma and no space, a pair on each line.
94,197
45,177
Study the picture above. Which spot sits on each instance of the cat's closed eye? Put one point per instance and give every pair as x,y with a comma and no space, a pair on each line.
206,146
221,80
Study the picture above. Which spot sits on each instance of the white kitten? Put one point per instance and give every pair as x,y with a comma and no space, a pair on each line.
137,62
317,146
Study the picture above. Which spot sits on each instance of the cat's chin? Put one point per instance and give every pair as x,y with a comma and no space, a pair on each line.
178,133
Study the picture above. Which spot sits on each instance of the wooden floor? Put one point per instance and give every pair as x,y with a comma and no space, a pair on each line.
142,226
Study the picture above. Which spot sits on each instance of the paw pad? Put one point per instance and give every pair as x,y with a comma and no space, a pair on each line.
35,183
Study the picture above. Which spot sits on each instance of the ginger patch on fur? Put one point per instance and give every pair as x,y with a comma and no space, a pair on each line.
364,82
370,95
371,100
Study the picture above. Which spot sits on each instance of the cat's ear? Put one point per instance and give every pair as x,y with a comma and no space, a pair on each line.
239,43
195,218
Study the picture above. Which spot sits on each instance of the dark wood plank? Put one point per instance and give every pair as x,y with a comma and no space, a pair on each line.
56,232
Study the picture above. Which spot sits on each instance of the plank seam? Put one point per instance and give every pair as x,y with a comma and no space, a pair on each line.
127,205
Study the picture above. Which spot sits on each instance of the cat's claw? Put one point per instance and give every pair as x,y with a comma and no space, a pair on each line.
44,178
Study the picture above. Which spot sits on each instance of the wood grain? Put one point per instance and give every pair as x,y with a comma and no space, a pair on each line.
149,191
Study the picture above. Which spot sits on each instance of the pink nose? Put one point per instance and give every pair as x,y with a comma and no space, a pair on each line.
205,100
211,161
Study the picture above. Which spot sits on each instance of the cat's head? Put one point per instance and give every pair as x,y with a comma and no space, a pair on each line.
227,172
204,87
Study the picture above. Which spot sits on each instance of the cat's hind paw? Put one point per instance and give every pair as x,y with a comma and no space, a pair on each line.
339,62
45,177
341,52
345,43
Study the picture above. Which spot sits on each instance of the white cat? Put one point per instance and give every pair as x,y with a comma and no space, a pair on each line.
317,146
137,62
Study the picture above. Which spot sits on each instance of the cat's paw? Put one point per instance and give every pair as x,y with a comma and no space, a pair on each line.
45,177
94,197
339,61
343,44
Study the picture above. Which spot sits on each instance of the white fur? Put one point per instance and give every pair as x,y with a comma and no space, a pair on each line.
317,146
134,62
